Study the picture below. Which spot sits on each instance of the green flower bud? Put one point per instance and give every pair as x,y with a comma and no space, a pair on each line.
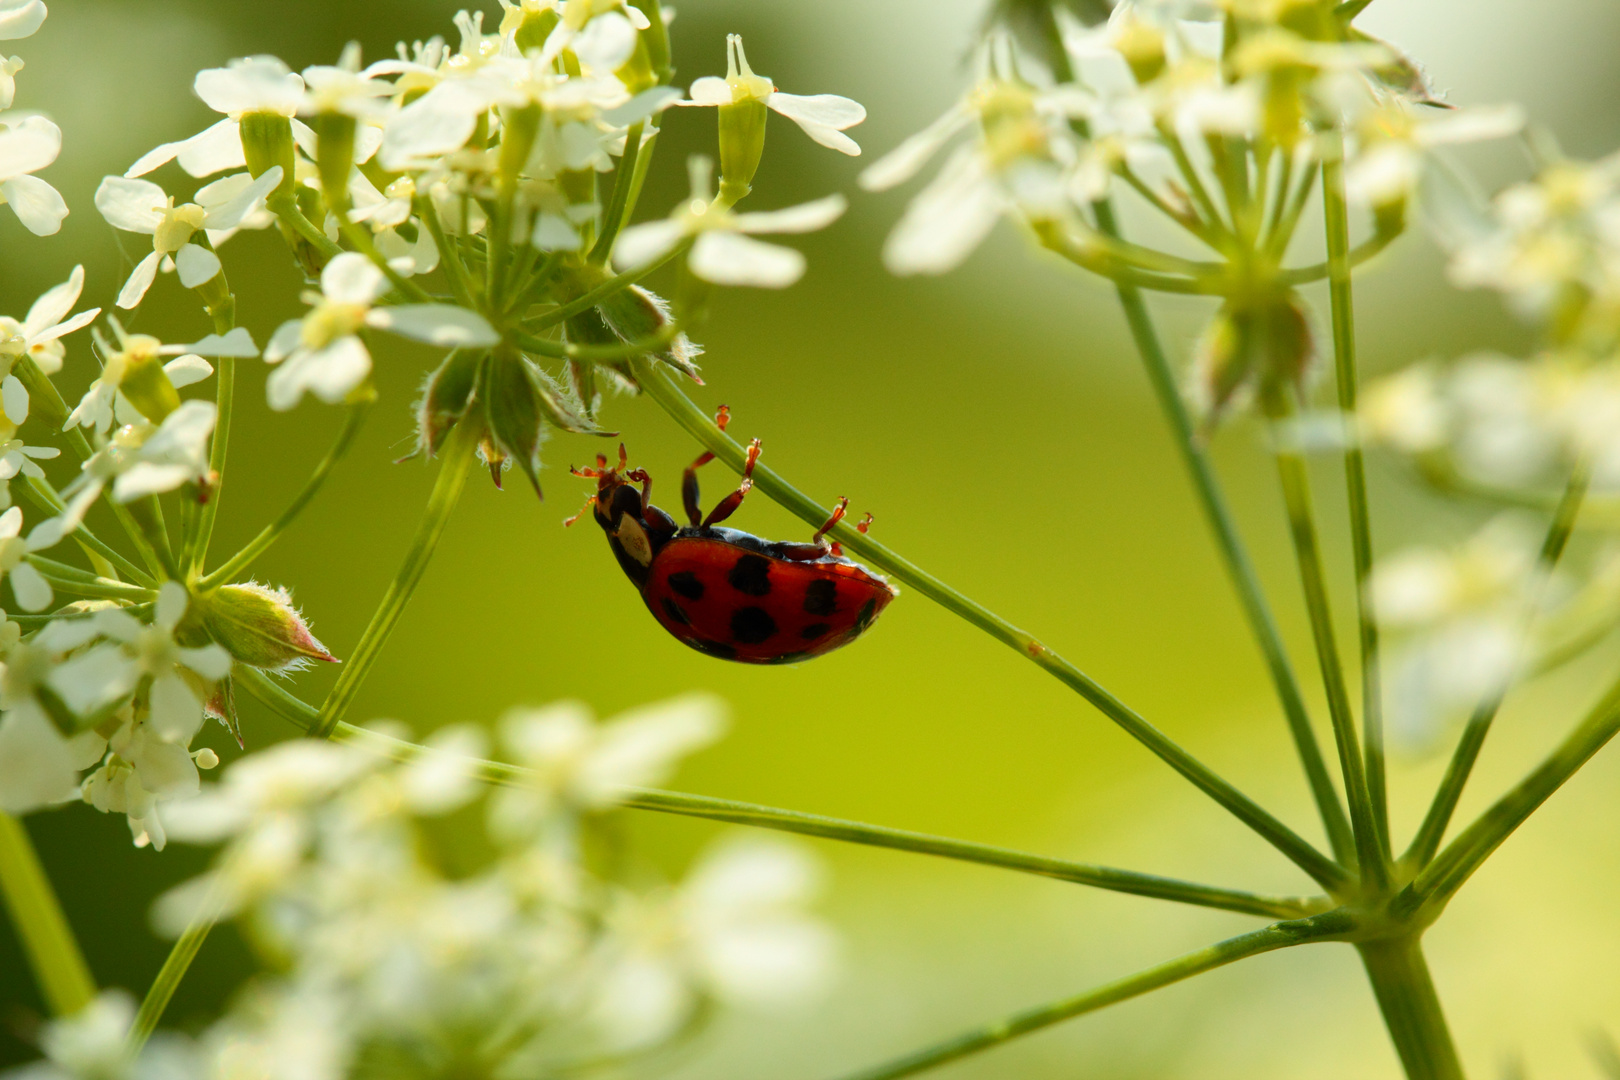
636,314
259,627
519,401
445,398
1259,344
530,23
266,141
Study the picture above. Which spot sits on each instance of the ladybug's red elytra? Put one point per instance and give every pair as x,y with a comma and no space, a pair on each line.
724,592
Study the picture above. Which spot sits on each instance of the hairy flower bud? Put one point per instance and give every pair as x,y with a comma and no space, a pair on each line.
1259,344
445,398
259,627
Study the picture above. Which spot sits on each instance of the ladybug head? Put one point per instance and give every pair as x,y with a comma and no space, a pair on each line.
635,528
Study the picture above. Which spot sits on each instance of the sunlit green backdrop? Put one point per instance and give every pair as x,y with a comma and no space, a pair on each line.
996,424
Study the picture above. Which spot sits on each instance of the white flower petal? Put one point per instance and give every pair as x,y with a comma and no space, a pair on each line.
197,265
140,279
132,205
36,766
33,592
821,110
21,20
176,713
14,398
1472,125
641,244
155,158
709,90
641,106
445,325
188,369
11,522
28,145
832,139
149,478
351,278
947,220
727,258
330,374
52,307
806,217
642,747
606,42
286,338
229,214
38,205
904,161
213,149
237,343
436,123
211,661
251,84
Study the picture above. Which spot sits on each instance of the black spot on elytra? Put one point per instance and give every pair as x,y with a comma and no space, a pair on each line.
675,612
686,583
810,633
718,650
752,625
868,612
751,575
821,597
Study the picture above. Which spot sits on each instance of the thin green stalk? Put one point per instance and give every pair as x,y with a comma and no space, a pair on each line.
1285,180
169,975
49,499
82,583
1359,254
1094,257
457,461
225,397
1406,996
1276,936
1295,477
270,533
1433,829
1195,184
1191,222
1236,556
303,715
287,210
1336,212
1325,871
623,178
1277,244
47,939
589,299
455,270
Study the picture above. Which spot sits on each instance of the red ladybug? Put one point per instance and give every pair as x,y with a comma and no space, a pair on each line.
727,593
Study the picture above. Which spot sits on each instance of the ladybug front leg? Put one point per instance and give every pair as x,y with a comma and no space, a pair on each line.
689,480
728,505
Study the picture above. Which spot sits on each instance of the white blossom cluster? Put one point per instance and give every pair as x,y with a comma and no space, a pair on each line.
390,962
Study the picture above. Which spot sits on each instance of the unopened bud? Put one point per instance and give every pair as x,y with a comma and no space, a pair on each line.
267,141
636,314
260,627
1262,344
445,397
206,759
530,23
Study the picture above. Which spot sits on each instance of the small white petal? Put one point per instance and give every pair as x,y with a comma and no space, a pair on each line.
149,478
14,397
251,84
38,205
237,343
229,214
211,661
188,369
28,145
351,278
824,110
213,149
53,305
709,90
171,605
154,158
132,205
197,265
61,329
33,592
140,279
284,340
732,259
36,766
641,106
330,374
176,711
21,20
806,217
445,325
904,161
641,244
1472,125
947,220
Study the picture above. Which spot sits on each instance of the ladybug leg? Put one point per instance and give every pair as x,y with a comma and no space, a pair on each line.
728,505
820,539
689,480
590,504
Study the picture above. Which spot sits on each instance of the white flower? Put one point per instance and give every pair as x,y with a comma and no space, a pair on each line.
91,1043
823,117
443,778
721,253
38,336
344,87
8,80
322,353
140,206
584,765
20,18
15,457
96,409
255,84
39,766
33,592
1393,143
26,146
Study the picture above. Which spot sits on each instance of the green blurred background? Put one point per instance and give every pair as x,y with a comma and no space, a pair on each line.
997,424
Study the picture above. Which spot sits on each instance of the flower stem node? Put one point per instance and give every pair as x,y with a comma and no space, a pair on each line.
1254,344
259,626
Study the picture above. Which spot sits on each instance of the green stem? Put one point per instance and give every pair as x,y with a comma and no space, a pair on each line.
287,210
225,396
1276,936
1236,556
1325,871
82,583
1283,233
53,952
1441,879
1195,184
271,532
168,977
623,178
589,299
1093,258
500,774
1433,829
456,463
1336,213
449,253
1406,996
48,498
1295,477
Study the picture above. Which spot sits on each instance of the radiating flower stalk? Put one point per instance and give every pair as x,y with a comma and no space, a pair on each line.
482,197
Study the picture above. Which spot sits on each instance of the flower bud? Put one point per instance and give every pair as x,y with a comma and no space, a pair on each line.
259,627
266,141
445,397
530,24
636,314
1253,344
519,400
742,123
1142,46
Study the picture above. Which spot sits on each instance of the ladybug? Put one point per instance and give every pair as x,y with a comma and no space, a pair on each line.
724,592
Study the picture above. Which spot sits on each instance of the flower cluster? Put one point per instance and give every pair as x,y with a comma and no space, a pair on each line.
28,142
530,964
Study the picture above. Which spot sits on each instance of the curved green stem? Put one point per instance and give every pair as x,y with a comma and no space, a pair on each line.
1336,214
1433,829
225,397
624,350
49,499
1276,936
1295,477
457,461
270,533
169,975
287,210
83,583
1236,556
47,939
303,715
1323,870
623,179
